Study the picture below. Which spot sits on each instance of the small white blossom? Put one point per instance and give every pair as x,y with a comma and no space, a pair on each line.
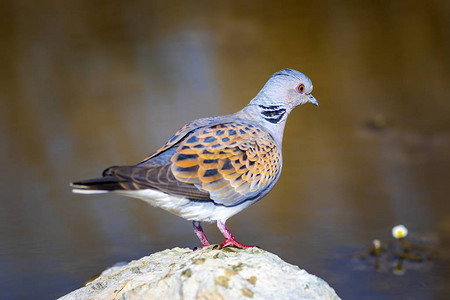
399,231
377,244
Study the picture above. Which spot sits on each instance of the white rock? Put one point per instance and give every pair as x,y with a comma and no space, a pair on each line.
206,274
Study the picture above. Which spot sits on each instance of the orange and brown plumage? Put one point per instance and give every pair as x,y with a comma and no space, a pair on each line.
212,168
229,161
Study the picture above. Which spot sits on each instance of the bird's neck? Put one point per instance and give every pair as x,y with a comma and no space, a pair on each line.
270,117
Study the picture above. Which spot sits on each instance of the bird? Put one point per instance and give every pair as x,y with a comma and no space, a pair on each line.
214,167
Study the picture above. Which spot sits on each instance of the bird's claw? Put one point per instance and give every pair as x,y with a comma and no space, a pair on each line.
235,244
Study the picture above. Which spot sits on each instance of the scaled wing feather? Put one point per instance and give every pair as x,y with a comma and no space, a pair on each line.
231,161
226,162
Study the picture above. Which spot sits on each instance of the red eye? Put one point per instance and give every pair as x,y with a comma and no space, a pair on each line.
301,88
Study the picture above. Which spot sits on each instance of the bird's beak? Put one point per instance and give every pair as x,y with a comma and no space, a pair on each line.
312,100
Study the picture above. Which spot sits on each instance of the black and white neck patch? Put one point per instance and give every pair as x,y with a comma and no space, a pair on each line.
273,113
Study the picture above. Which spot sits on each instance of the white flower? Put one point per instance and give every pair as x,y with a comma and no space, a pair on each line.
399,231
377,244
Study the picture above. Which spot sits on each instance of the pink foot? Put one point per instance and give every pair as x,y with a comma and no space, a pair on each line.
230,241
234,243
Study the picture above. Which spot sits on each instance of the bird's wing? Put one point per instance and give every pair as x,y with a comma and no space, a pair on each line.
227,163
232,161
178,136
152,177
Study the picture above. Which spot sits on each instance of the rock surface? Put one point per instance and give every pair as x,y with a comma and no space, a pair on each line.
207,273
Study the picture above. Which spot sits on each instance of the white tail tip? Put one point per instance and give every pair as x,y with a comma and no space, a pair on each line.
88,192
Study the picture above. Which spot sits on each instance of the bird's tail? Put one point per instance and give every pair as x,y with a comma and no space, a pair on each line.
96,185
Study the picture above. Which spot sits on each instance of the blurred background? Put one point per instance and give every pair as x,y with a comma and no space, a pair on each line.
89,84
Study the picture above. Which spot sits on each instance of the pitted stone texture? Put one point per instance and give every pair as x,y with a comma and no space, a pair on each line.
207,273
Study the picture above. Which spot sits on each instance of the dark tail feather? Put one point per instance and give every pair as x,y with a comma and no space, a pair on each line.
96,185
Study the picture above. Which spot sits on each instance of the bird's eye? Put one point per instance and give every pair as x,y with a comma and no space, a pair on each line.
301,88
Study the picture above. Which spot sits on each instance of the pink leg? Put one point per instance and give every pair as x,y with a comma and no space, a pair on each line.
229,239
199,232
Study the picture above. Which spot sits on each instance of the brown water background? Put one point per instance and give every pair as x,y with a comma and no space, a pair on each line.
89,84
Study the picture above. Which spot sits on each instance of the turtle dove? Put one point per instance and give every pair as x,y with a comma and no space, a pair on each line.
213,168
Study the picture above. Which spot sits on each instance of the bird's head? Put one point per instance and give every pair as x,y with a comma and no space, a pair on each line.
284,90
288,88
